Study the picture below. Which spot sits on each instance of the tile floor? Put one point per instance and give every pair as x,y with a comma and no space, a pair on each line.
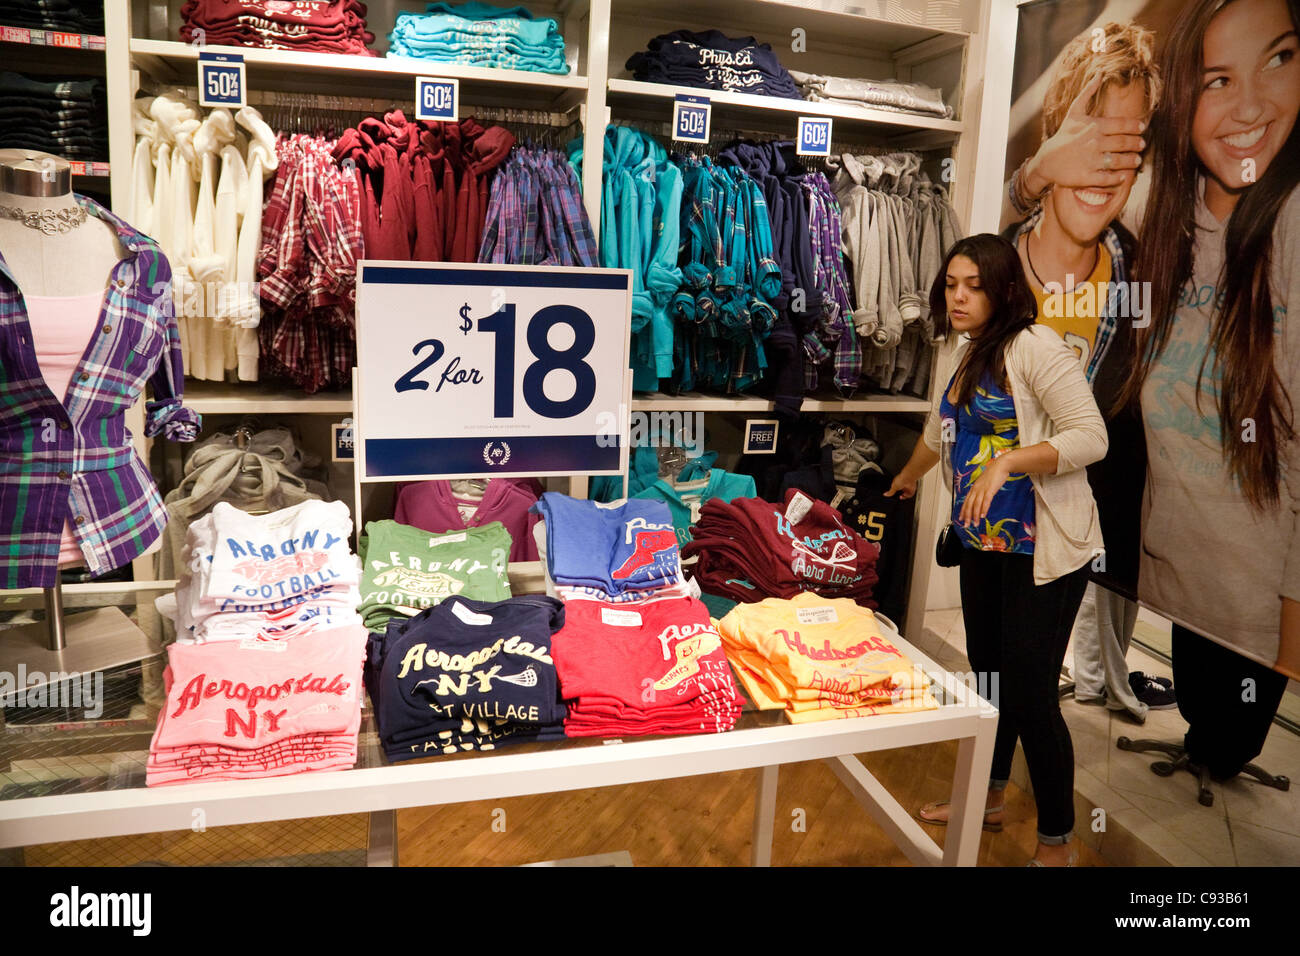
1133,817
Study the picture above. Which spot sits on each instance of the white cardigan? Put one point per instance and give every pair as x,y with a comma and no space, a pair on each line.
1054,403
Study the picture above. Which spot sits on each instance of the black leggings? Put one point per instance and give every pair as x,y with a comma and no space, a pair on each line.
1227,723
1016,634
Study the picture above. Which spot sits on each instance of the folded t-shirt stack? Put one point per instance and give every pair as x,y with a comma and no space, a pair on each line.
713,61
618,552
319,26
65,117
70,16
479,34
750,549
467,675
819,659
265,577
406,570
257,709
877,94
656,667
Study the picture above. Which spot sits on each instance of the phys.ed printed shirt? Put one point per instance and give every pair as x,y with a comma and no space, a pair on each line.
76,462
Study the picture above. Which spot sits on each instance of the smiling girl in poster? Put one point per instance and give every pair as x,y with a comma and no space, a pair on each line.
1218,369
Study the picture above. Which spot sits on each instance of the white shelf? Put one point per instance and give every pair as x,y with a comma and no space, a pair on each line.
775,107
252,398
338,73
722,403
848,26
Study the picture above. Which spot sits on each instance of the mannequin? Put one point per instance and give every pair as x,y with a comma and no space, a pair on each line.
36,183
86,325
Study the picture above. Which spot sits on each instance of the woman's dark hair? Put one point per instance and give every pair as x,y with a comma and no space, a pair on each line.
1242,336
1014,308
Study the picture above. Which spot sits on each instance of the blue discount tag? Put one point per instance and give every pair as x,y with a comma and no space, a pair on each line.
814,136
221,80
691,118
437,99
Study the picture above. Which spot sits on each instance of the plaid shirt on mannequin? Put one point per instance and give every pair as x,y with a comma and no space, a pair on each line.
77,462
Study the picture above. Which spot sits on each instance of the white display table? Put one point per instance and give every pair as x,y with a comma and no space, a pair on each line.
762,739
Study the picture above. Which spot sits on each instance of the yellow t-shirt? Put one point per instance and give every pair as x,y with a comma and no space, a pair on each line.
1076,315
820,658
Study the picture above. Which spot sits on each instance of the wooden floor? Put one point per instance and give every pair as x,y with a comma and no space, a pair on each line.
694,821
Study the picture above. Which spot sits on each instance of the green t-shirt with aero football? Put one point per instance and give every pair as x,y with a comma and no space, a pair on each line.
406,570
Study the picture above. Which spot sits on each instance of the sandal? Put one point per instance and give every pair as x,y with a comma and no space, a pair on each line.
1072,861
991,826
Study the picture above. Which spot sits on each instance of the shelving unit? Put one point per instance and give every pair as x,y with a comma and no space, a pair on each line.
924,42
173,62
940,42
219,398
749,109
722,403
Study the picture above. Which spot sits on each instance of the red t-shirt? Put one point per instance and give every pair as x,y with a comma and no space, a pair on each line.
642,658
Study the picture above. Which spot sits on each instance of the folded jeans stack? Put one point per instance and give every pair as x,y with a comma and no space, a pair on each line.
820,659
70,16
713,61
236,711
67,118
478,34
467,675
319,26
654,668
750,549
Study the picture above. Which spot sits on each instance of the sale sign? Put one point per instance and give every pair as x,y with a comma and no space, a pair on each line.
221,80
691,116
437,99
469,370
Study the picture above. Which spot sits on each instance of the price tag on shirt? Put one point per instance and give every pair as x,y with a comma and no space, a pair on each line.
479,370
798,508
470,617
221,80
691,116
619,618
814,137
437,99
816,615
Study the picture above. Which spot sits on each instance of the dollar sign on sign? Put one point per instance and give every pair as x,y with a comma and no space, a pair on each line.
465,323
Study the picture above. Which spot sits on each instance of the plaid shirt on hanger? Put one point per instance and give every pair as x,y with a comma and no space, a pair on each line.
78,463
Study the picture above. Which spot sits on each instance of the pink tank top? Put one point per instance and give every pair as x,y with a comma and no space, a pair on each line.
61,328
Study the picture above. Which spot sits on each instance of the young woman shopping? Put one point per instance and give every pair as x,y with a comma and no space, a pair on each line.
1218,370
1018,424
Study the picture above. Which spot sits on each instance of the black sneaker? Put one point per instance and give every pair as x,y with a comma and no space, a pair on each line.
1156,692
